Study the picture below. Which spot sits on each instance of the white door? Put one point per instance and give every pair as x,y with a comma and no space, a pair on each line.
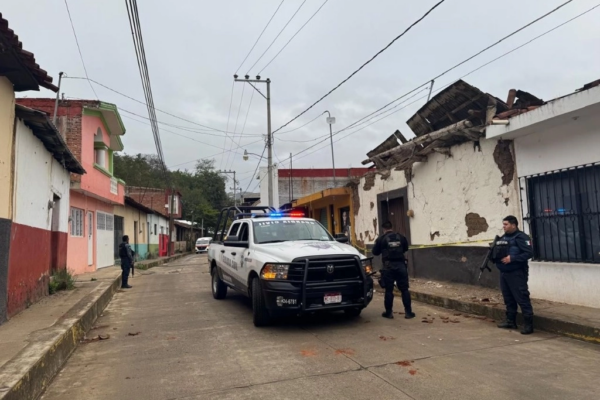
105,240
90,233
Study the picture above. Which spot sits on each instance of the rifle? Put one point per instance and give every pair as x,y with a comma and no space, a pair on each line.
488,258
133,264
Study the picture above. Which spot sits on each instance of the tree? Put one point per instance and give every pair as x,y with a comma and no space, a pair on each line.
203,193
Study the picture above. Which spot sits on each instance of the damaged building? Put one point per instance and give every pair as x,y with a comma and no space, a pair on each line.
472,161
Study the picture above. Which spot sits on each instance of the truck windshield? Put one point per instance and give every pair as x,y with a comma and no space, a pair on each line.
289,230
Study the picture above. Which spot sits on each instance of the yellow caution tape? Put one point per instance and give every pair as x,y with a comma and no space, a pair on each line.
423,246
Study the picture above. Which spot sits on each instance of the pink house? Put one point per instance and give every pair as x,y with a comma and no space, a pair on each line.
93,130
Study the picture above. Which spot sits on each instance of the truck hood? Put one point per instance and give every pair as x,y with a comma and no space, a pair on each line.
287,251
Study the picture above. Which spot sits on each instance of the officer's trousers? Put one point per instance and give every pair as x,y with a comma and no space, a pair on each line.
396,275
516,292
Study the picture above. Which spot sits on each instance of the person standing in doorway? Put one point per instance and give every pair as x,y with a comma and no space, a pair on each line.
126,255
514,274
392,246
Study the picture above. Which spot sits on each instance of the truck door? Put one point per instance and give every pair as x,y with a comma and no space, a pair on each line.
228,258
239,254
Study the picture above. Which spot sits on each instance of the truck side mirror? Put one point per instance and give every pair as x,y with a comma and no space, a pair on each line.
342,238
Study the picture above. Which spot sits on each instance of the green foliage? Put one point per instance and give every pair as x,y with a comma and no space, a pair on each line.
202,190
61,280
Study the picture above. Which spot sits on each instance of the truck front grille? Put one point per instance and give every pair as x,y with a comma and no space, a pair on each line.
326,269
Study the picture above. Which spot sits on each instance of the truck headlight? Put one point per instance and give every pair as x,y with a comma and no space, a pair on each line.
366,264
274,271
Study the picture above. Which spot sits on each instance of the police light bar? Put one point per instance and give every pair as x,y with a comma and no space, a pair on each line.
293,214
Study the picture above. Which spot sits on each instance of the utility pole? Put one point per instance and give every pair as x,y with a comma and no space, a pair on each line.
291,179
171,222
331,121
234,183
269,134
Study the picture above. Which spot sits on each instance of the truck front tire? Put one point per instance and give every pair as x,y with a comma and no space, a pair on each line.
219,288
353,312
260,313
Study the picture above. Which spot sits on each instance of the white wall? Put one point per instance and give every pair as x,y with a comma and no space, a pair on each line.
38,176
564,145
565,283
569,145
443,190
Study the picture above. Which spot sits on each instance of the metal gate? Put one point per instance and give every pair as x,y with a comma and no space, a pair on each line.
119,232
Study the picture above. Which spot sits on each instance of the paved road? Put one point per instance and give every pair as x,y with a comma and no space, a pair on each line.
190,346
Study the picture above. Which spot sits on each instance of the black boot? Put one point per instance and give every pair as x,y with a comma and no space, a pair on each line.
408,314
388,315
527,326
509,323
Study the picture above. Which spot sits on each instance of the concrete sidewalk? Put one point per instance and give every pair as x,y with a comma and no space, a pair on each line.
37,342
577,322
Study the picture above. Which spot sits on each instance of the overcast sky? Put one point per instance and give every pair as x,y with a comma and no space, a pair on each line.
194,47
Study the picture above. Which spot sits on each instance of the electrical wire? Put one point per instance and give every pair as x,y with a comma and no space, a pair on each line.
469,59
444,86
276,37
362,66
228,116
145,104
259,36
256,169
236,124
243,128
78,47
292,38
302,126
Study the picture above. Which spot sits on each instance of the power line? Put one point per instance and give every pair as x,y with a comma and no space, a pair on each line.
236,123
470,58
228,116
259,36
256,169
183,128
213,155
136,32
243,128
187,137
276,37
78,47
362,66
292,38
302,126
442,87
145,104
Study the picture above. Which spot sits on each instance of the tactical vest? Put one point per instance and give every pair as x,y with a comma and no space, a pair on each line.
392,248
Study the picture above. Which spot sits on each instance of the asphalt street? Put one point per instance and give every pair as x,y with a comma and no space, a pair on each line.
169,339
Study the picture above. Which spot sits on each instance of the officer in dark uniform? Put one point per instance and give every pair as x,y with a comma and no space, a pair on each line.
392,246
512,253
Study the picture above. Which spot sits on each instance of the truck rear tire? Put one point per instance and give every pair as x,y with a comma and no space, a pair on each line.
219,288
260,313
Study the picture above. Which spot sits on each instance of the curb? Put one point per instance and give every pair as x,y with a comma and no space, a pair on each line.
570,329
43,363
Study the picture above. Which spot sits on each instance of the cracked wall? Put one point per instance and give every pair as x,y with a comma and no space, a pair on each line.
442,192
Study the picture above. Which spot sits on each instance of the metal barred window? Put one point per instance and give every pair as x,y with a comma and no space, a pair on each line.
562,211
101,222
76,222
110,222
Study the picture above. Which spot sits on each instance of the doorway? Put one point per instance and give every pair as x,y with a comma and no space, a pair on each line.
118,235
55,239
392,207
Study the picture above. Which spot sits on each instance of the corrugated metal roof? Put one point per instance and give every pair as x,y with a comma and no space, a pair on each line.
19,65
44,130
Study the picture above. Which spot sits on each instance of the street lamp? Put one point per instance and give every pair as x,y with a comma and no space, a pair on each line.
331,121
246,154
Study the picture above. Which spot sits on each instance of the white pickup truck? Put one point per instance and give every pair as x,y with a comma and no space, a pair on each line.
287,264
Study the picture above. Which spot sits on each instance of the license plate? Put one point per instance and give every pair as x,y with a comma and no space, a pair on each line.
332,298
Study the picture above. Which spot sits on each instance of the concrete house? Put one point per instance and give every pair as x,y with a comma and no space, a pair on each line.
557,153
93,131
35,164
476,159
158,200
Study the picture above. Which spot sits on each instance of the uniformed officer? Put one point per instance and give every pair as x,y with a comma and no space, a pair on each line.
514,273
392,246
